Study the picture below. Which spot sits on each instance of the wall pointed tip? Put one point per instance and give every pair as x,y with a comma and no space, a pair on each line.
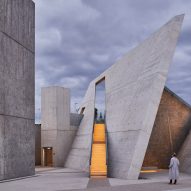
179,17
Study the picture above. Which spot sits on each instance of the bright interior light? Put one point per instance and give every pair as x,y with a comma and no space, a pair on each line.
149,171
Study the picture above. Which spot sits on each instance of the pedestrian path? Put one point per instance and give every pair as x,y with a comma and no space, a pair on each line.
98,182
184,189
62,179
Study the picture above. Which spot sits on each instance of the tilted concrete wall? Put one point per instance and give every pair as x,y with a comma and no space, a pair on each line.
172,124
134,86
17,135
58,125
79,155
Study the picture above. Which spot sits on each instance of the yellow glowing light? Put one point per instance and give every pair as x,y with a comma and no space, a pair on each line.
98,161
149,171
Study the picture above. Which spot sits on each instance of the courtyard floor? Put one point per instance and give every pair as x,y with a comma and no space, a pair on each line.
60,179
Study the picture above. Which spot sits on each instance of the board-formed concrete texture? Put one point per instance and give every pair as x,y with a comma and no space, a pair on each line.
133,86
17,140
56,130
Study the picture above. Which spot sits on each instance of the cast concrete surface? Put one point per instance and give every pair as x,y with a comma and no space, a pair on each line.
60,179
17,51
59,126
56,131
133,86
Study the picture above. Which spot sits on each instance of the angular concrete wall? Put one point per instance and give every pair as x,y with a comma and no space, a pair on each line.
17,139
134,86
79,155
172,124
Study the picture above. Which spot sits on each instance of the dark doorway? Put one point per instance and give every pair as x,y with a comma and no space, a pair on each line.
48,157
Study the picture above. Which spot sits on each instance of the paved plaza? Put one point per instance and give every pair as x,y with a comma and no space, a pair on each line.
59,179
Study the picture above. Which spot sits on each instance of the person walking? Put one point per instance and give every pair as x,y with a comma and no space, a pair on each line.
174,169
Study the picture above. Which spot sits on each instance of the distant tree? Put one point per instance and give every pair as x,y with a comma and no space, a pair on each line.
100,116
101,119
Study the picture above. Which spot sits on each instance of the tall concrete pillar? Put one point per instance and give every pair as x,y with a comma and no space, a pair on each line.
17,50
57,134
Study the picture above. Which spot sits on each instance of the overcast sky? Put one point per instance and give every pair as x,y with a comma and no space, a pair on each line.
76,40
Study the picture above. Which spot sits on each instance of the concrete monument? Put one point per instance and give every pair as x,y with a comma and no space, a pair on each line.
134,86
133,95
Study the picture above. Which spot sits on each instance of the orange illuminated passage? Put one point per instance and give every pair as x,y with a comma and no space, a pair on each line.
98,160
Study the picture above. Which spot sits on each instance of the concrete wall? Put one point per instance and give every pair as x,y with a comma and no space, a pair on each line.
79,155
134,86
184,154
172,124
17,139
75,120
58,125
37,144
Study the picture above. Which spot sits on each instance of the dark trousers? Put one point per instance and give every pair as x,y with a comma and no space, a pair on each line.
175,181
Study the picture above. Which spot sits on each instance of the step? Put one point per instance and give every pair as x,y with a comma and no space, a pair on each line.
99,132
98,156
98,170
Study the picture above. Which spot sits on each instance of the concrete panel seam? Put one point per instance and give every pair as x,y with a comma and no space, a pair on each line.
17,42
16,116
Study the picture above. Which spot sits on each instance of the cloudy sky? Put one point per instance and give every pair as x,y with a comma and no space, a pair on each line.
76,40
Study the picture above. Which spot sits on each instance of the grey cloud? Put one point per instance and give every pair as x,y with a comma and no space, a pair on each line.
76,40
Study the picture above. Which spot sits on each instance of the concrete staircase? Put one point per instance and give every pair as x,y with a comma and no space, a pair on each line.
98,165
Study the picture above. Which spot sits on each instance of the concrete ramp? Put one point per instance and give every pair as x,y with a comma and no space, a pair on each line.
134,86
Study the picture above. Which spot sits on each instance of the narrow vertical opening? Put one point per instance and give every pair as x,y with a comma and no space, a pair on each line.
98,164
100,113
